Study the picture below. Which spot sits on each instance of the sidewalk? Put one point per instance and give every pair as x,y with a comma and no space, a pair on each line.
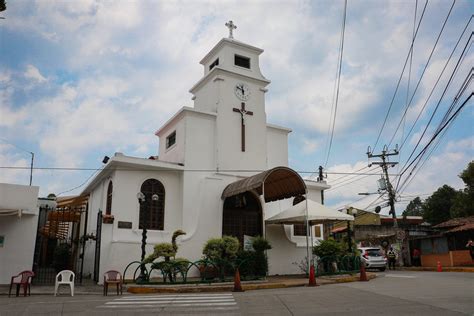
445,269
272,282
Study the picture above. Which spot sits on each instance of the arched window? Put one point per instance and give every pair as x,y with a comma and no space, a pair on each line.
108,206
152,213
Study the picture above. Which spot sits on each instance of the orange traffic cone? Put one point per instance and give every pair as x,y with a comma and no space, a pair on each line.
439,269
237,285
363,275
312,277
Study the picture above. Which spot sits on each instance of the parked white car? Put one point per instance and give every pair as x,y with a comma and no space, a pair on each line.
373,258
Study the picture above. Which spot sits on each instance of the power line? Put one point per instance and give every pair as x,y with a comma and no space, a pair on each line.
411,176
337,179
432,116
435,85
423,72
344,183
168,170
338,82
80,185
409,79
10,143
401,76
436,134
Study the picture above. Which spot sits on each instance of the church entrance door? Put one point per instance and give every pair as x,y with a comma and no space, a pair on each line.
242,216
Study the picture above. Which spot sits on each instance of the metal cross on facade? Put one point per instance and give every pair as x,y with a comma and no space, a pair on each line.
231,26
242,112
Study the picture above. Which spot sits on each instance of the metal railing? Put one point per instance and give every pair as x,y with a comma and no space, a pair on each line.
182,271
332,265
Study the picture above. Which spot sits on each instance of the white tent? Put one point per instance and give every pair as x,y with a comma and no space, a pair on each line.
317,214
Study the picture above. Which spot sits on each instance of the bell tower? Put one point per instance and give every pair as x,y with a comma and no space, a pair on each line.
234,88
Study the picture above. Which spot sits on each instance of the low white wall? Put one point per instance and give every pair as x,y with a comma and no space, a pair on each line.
19,233
285,255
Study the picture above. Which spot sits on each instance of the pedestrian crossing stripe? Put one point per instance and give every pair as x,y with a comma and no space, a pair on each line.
215,301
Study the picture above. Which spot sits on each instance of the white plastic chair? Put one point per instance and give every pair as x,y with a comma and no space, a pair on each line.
64,277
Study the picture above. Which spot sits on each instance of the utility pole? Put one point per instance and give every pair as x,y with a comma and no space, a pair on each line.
31,167
385,164
321,179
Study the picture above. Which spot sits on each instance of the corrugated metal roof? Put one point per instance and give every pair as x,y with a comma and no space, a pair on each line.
455,222
467,226
279,182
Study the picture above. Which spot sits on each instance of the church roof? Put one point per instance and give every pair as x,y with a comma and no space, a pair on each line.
276,184
122,162
230,41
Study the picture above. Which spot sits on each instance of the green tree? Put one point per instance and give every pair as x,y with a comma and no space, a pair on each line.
436,208
414,208
463,204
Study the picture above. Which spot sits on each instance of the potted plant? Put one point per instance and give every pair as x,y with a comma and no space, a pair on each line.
108,219
328,252
260,245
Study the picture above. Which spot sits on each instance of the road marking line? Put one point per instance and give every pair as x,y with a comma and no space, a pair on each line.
166,302
400,276
173,296
170,305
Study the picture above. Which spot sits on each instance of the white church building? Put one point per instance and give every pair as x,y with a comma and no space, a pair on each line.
221,169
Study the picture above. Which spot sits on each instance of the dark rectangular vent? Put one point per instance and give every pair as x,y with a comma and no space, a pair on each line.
215,63
171,140
242,61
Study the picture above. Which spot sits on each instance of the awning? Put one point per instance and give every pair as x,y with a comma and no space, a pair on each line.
279,183
72,201
10,212
317,214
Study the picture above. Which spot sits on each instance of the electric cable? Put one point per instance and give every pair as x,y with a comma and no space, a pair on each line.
338,82
423,72
400,78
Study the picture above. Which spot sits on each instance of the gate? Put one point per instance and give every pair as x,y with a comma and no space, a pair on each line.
97,246
58,242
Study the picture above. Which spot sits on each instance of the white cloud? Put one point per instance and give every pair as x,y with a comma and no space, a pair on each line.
128,67
33,73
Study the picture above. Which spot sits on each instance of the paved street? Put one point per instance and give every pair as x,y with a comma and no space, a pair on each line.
392,293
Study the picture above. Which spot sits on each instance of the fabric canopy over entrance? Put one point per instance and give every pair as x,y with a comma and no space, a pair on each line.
279,183
317,214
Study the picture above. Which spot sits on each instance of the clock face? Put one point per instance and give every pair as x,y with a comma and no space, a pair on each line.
242,91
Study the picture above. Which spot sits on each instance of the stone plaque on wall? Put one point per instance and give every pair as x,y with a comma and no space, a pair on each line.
125,225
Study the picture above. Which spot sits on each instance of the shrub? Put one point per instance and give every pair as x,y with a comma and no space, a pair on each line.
260,244
224,248
329,248
164,250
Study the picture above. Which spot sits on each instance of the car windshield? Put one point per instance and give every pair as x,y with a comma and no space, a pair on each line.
374,252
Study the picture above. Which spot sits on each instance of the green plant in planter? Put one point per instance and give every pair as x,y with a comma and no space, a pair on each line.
328,251
224,248
260,245
329,248
221,251
168,252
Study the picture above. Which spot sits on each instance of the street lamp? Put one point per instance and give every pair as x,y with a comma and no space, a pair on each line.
141,200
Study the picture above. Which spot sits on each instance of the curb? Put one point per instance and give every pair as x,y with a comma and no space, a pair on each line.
445,269
147,289
245,287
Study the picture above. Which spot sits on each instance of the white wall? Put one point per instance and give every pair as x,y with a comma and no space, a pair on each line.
17,252
277,147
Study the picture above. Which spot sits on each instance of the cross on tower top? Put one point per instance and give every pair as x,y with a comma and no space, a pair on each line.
231,26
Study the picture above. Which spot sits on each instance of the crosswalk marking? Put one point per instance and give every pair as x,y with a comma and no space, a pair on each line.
209,303
400,276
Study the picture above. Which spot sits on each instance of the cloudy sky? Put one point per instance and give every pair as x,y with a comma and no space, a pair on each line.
84,79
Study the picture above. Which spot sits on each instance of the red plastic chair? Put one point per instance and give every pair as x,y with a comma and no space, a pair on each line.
112,277
22,279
